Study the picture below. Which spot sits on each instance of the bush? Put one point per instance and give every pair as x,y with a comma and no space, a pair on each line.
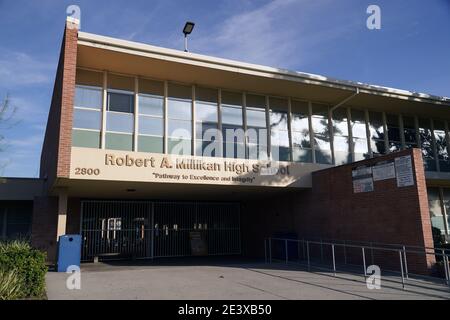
23,267
10,284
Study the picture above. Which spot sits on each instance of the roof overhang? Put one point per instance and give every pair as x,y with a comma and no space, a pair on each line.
121,56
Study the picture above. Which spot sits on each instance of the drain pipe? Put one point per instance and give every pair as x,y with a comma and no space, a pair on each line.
345,101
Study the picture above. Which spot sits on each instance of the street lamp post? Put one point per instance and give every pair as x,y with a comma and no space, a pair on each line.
188,27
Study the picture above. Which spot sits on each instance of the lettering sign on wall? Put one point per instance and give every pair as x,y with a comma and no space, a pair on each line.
97,164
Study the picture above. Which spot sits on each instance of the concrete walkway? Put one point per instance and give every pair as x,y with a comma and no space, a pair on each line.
225,281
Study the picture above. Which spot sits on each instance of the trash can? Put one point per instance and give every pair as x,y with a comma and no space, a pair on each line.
69,251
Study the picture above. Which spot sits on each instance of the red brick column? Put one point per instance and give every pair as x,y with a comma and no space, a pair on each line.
67,99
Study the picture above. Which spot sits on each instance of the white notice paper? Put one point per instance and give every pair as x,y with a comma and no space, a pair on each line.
383,171
403,168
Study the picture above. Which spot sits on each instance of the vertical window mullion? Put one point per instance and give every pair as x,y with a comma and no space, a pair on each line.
311,132
136,114
165,115
244,119
289,127
444,211
368,136
219,122
447,140
416,124
268,130
402,132
193,133
104,113
433,139
351,146
386,134
331,134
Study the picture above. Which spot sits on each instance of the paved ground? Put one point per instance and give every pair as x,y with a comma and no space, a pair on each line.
235,280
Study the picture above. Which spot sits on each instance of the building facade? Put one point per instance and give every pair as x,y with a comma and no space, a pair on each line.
147,147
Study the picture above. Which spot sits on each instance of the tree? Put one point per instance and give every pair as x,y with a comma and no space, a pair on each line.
7,114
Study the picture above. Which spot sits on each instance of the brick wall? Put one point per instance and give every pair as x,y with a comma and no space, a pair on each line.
55,156
43,228
331,210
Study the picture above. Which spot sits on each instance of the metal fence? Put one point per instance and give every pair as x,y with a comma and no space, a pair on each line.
150,229
410,264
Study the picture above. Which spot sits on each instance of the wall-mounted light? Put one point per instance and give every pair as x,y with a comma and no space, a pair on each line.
188,27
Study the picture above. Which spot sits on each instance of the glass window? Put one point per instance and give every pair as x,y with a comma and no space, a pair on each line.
206,114
446,200
150,144
179,109
279,129
256,126
301,143
86,119
426,141
86,138
232,125
410,132
358,127
18,222
434,203
120,122
393,128
179,115
377,134
120,102
151,126
341,139
88,97
441,145
119,141
232,115
87,113
151,105
321,131
151,116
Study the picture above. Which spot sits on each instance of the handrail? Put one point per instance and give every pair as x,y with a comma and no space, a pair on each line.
402,251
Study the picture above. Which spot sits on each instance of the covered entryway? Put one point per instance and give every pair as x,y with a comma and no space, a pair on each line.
150,229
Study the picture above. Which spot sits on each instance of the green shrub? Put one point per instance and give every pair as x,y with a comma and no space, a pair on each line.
29,265
10,284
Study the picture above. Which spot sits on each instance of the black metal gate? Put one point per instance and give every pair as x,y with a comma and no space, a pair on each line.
147,229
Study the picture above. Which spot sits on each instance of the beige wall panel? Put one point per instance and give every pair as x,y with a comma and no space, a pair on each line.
92,164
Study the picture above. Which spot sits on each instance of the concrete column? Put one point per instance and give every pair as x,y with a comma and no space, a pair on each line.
62,212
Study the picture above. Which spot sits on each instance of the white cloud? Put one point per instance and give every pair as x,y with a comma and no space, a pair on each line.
19,68
279,33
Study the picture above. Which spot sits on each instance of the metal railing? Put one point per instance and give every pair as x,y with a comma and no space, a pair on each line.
412,264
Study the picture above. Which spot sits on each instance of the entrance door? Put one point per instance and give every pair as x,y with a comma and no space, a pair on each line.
145,229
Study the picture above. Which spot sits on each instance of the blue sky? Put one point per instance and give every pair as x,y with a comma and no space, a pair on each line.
411,51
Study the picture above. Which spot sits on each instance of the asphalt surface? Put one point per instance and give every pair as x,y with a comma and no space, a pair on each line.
224,280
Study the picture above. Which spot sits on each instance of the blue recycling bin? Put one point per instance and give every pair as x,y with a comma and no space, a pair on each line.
69,251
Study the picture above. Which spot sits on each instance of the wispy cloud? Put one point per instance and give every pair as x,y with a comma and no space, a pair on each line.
278,33
19,68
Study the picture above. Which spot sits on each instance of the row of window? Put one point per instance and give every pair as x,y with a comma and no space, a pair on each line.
287,130
439,204
15,219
